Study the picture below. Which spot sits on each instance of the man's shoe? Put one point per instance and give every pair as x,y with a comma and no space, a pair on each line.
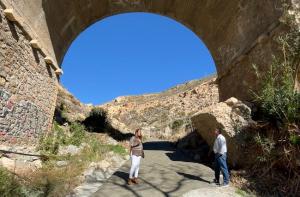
225,185
130,182
135,181
215,182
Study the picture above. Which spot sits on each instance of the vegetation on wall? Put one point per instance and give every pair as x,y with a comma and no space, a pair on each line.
277,143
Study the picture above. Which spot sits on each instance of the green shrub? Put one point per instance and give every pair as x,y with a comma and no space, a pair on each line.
177,124
51,180
267,145
278,99
96,149
78,134
56,181
295,139
117,149
277,140
244,193
9,186
50,142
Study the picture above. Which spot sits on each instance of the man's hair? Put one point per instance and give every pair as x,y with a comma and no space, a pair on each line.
219,129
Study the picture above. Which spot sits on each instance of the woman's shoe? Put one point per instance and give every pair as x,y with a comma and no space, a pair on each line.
130,182
135,181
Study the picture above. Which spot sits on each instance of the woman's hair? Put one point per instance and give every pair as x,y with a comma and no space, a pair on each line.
137,130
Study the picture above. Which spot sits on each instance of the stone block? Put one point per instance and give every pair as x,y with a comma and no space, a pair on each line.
49,60
34,44
59,71
10,14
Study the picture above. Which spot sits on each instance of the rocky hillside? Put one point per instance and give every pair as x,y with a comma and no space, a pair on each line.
69,108
166,114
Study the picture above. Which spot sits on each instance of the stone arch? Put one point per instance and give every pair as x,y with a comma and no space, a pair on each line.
232,30
238,33
69,43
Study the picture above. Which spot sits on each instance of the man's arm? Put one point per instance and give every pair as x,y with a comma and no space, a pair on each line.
221,144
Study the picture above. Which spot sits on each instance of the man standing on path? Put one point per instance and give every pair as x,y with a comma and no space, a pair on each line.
220,150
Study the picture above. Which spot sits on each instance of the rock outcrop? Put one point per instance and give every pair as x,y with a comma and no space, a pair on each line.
69,108
234,117
164,115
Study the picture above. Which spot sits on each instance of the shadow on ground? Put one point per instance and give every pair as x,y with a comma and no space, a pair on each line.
173,153
159,145
164,172
190,176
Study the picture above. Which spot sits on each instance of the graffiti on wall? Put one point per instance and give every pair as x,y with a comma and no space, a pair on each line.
6,104
21,119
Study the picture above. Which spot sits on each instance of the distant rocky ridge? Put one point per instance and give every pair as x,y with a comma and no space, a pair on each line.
186,114
163,115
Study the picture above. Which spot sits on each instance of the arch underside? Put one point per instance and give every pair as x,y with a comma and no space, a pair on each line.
232,31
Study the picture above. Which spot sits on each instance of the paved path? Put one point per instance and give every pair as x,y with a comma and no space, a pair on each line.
164,172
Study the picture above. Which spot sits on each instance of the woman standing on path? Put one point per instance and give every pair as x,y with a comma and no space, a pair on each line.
136,152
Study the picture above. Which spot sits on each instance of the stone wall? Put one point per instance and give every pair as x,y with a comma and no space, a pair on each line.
28,86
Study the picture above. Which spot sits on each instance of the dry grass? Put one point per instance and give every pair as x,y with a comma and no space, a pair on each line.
273,163
56,181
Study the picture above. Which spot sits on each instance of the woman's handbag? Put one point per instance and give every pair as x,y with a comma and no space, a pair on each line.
143,154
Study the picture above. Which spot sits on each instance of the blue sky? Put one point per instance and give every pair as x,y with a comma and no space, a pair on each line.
130,54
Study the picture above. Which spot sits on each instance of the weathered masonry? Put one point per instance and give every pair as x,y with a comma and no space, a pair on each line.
35,35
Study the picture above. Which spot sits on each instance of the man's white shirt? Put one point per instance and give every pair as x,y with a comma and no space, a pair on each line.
220,145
